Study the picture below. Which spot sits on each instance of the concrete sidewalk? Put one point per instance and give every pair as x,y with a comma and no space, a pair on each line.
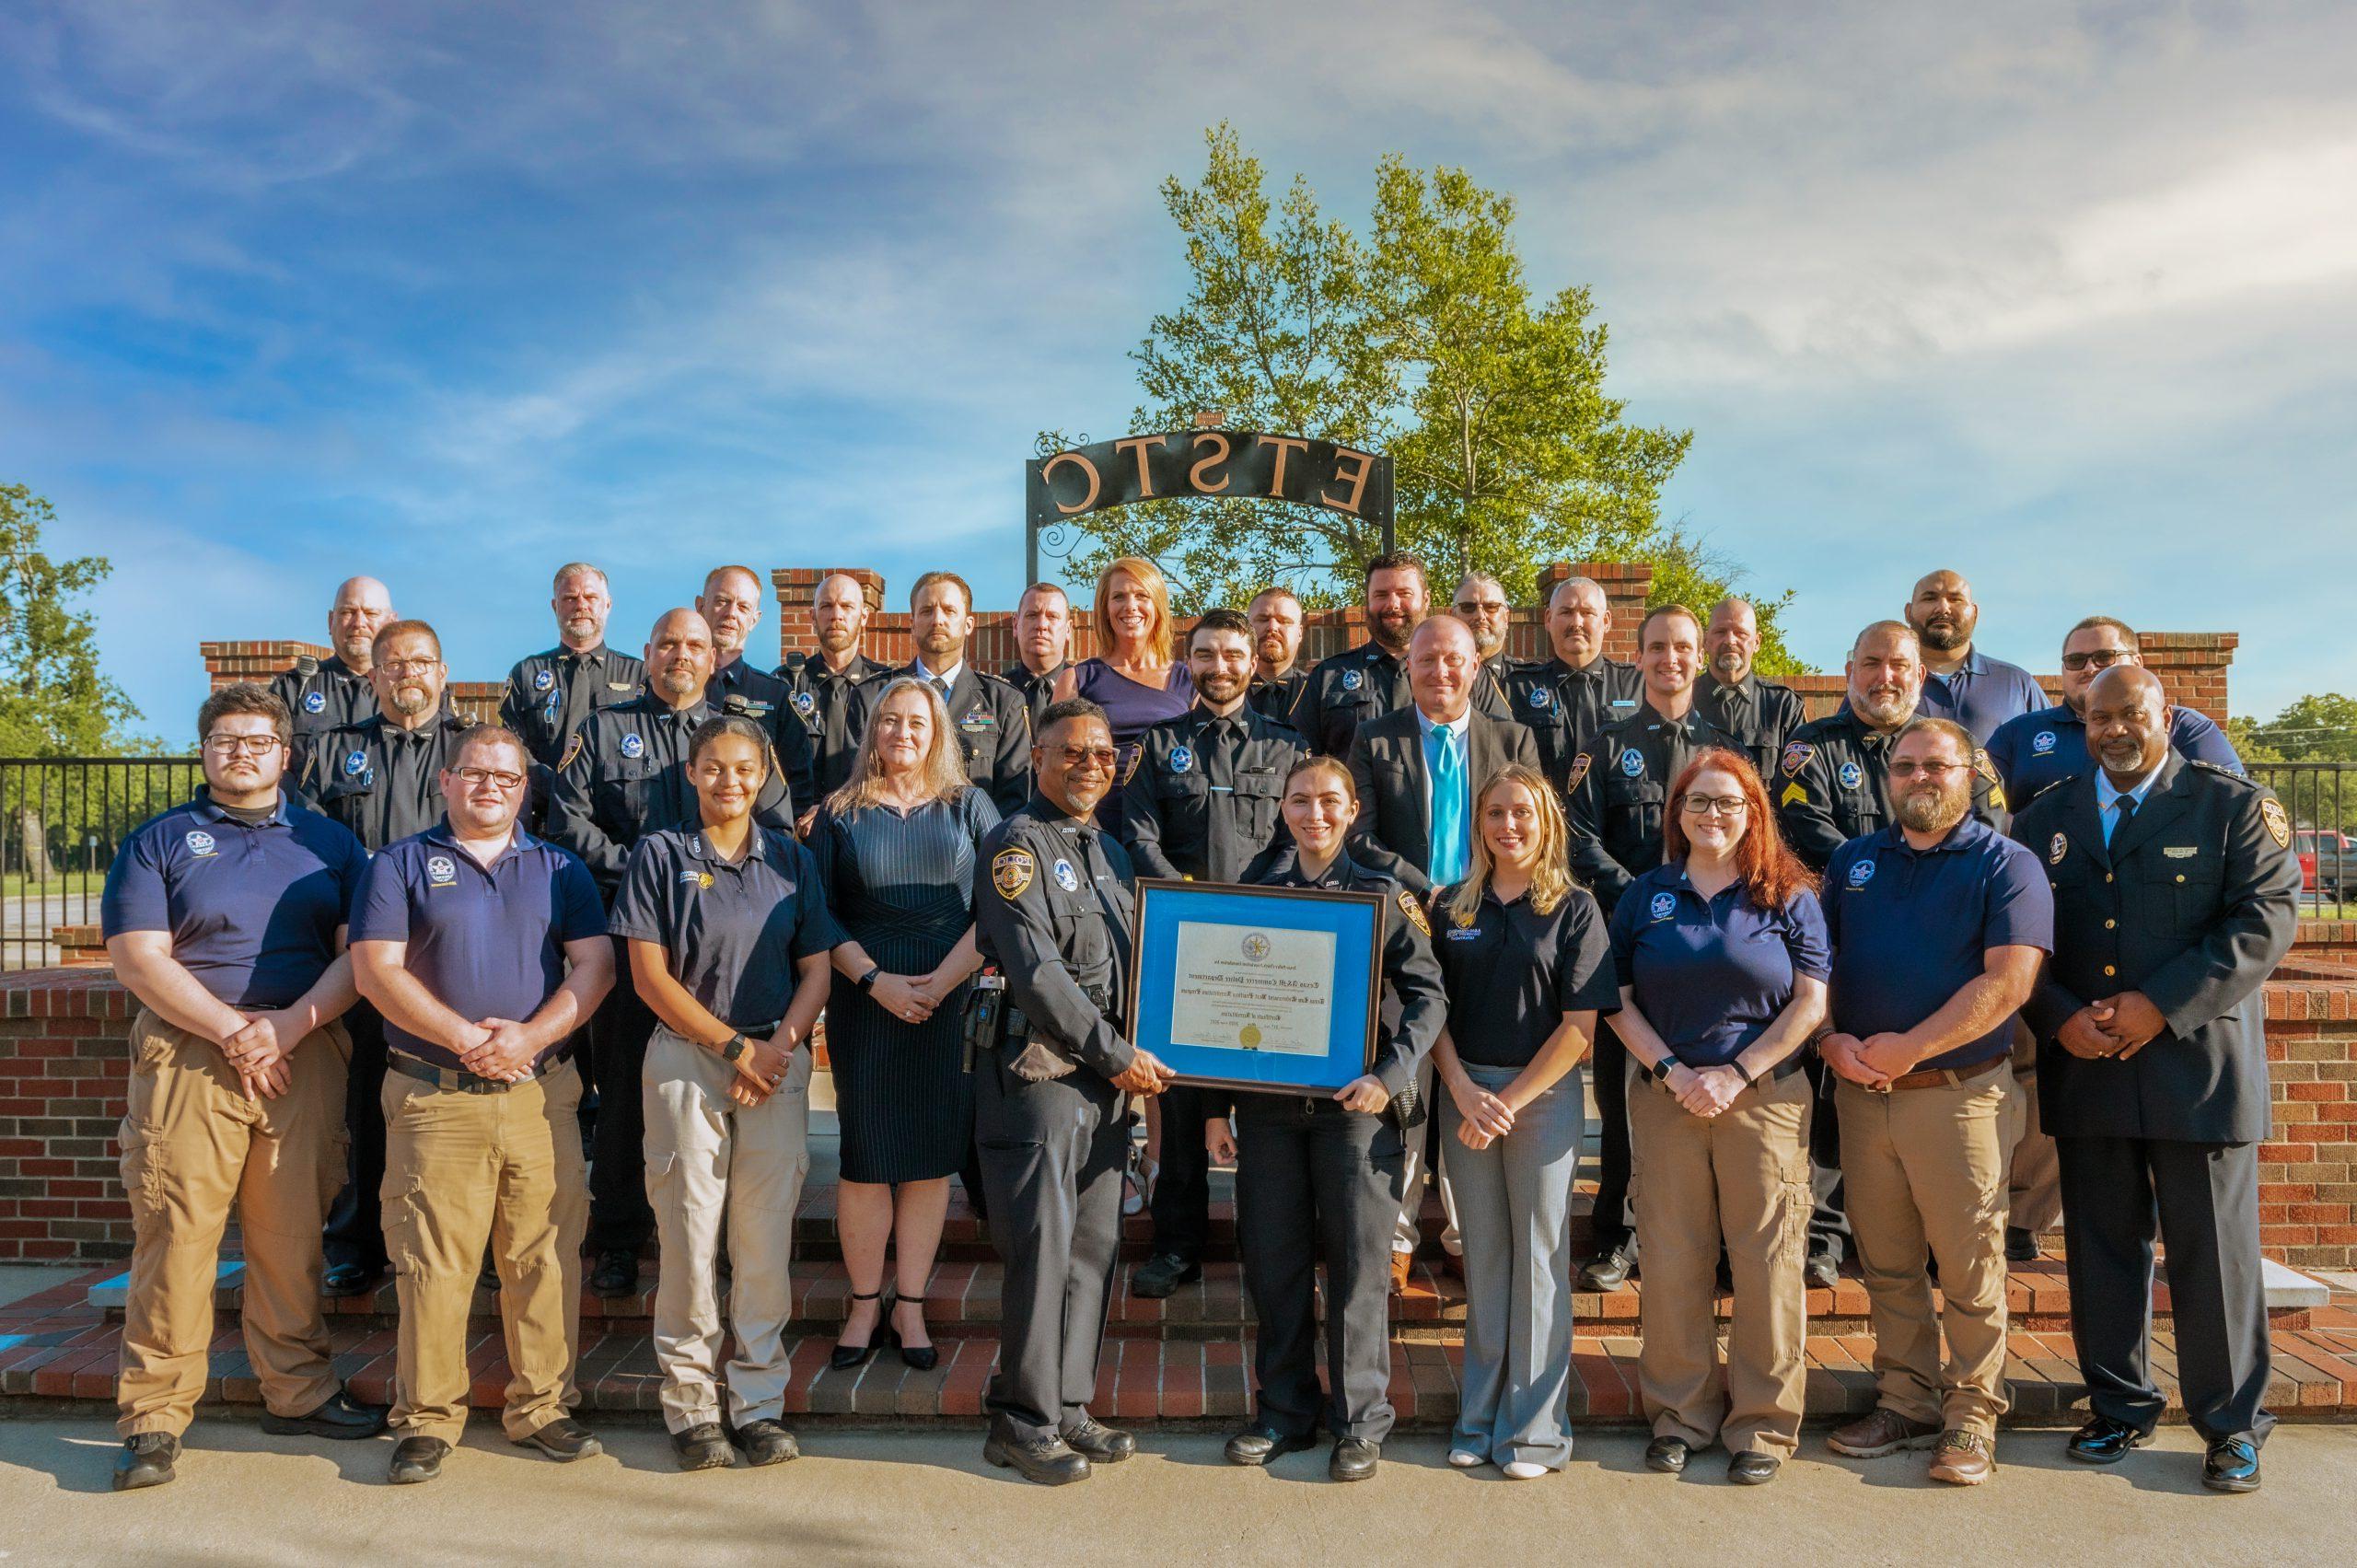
868,1497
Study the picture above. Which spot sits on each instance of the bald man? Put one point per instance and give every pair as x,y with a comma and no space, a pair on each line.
1568,701
1960,682
335,692
820,686
731,606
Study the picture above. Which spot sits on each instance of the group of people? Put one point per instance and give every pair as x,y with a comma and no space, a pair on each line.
1899,982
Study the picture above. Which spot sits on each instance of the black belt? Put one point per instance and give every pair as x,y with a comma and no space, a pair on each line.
463,1082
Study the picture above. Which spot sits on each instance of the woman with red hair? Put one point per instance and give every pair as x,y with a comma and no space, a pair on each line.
1722,958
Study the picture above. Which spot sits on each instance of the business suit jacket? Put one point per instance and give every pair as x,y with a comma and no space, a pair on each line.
1386,761
2193,904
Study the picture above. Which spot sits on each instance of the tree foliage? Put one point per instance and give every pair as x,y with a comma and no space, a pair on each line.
54,700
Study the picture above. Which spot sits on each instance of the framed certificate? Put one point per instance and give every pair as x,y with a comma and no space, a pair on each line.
1257,988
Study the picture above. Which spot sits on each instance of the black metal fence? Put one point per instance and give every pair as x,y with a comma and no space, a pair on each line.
2322,799
61,820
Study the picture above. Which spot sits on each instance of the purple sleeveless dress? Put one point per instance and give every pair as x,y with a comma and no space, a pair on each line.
1130,708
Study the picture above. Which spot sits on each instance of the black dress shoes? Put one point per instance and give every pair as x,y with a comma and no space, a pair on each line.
1667,1455
2020,1246
563,1440
146,1460
1258,1444
1049,1461
844,1357
2104,1441
1163,1274
1098,1443
1821,1271
2230,1464
417,1459
616,1274
703,1446
1753,1468
765,1442
1610,1269
342,1280
1354,1458
340,1416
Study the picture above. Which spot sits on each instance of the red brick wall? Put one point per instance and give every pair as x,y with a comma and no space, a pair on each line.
63,1066
2307,1176
226,664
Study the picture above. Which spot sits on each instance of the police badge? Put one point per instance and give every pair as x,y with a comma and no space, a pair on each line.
2057,850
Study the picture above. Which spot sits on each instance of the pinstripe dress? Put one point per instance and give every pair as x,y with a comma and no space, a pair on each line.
901,885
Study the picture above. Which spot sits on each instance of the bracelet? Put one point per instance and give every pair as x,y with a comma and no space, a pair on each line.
867,982
1742,1071
735,1046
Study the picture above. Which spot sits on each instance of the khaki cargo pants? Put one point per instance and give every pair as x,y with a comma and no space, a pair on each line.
194,1146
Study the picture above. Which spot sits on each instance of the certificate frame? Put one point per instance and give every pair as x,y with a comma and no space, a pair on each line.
1352,919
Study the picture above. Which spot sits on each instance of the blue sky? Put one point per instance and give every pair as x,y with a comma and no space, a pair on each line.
2064,298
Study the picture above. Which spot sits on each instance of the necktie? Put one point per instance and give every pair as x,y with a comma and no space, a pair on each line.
576,675
1449,810
2123,811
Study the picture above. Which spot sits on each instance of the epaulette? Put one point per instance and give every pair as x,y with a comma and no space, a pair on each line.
2222,772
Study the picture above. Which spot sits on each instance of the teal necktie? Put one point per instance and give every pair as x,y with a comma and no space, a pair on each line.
1449,848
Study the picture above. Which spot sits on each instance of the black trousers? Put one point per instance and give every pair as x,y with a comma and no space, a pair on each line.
2204,1198
356,1224
1312,1179
619,1219
1052,1154
1828,1218
1611,1222
1182,1191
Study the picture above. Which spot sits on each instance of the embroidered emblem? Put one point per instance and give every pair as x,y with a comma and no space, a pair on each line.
543,681
1852,776
1632,763
2057,850
1066,877
2041,743
1538,698
1664,905
1353,680
2279,825
1797,756
199,841
1181,758
806,703
355,765
634,746
1413,910
1861,873
1465,933
1011,873
1579,772
440,871
571,750
315,702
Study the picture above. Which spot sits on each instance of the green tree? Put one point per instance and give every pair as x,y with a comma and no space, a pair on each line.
1688,571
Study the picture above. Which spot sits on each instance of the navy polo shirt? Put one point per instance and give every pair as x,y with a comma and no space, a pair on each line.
1982,693
1910,928
252,910
2038,751
1513,974
488,941
730,933
1711,974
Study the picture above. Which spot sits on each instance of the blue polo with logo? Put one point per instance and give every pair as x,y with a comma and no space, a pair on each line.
1513,972
2036,751
730,931
488,941
252,910
1982,693
1910,927
1711,974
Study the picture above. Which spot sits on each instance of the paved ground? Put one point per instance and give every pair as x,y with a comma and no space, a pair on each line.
892,1498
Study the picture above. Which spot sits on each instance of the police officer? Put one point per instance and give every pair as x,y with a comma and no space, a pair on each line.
1618,794
1960,682
1278,676
1042,646
1371,680
2033,752
484,948
819,686
328,693
225,917
381,779
624,774
1482,605
1202,803
550,693
1052,907
1567,700
2176,893
992,721
1760,713
731,605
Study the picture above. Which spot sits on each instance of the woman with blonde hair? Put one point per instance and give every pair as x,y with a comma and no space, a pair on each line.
1134,677
895,848
1529,967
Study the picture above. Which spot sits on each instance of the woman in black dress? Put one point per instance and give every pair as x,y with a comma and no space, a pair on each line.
896,848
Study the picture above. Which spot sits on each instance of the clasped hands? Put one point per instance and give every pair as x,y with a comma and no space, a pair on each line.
2117,1027
1871,1062
258,1050
761,1069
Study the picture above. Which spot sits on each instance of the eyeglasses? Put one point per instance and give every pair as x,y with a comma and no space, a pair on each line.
1934,771
498,778
1079,755
1480,607
1713,804
241,744
2102,659
407,666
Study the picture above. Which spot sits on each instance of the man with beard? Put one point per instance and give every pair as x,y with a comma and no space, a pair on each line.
1566,701
990,718
324,694
1760,713
1204,802
1938,926
624,774
550,693
1482,605
1277,676
381,779
2176,893
1959,681
820,686
731,605
1042,646
2033,752
1370,680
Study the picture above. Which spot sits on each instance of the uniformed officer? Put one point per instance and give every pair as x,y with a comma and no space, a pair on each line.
1278,675
484,948
819,686
1569,699
328,693
625,774
1371,680
2176,894
1482,605
731,605
225,917
1202,805
1320,1175
381,778
1938,926
550,693
1762,714
992,721
1960,682
2033,752
1042,646
1619,792
1053,906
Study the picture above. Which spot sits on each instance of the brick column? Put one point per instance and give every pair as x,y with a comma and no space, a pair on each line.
226,664
2192,666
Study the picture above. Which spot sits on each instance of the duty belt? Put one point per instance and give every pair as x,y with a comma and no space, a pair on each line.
462,1081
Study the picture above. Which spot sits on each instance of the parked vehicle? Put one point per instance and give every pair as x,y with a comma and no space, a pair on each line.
2328,862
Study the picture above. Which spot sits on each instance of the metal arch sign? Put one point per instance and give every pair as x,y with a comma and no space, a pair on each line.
1209,464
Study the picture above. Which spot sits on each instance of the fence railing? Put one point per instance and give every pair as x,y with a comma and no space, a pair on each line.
2322,799
61,821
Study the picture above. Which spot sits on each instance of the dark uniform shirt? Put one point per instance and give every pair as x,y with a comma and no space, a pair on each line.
1832,784
321,694
252,910
1566,708
1038,691
730,931
381,782
1513,974
1368,682
1983,694
1760,713
1053,902
1709,975
1620,791
1278,696
550,693
993,727
821,698
1205,798
485,941
2036,752
737,688
626,774
1910,928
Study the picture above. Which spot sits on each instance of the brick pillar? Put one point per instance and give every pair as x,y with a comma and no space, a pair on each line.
226,664
2192,666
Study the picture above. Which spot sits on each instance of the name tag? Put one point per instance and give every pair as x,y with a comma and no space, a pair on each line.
2180,852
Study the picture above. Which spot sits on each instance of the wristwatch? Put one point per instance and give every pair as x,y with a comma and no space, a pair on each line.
867,980
1660,1069
735,1046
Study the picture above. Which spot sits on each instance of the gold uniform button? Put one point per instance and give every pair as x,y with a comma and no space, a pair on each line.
2106,876
2181,876
2109,925
2107,970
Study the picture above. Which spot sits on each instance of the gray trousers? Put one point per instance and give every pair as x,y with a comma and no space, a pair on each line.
1052,1154
709,1162
1513,1204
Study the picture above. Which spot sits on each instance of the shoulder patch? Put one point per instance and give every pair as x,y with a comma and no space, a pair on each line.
2279,825
571,750
1012,871
1413,910
1795,758
1579,772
